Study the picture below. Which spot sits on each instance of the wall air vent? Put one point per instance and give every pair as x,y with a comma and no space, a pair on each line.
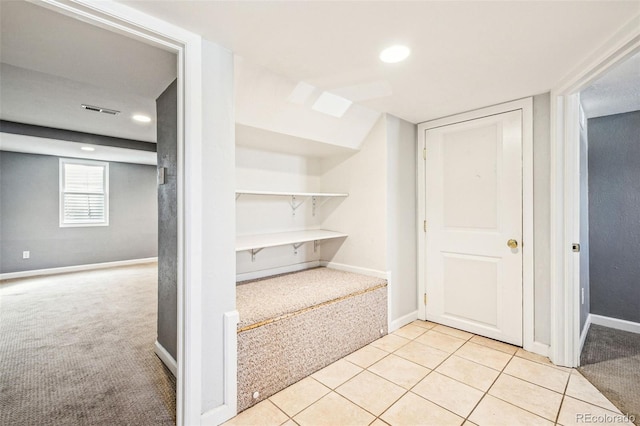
100,109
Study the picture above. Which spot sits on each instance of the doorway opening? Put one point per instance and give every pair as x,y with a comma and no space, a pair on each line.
115,146
565,191
610,232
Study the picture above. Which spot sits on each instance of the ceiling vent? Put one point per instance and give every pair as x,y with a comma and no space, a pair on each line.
100,109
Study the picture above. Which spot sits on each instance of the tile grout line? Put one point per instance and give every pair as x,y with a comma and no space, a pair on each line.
564,394
488,389
384,378
429,373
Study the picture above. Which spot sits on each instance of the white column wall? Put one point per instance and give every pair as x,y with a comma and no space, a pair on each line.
401,221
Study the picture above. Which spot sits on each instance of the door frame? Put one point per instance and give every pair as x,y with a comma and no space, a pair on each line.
188,48
565,189
526,106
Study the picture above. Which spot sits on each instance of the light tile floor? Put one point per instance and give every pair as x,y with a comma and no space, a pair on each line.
430,374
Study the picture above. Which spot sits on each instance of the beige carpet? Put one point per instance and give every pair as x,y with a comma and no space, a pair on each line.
77,349
306,320
272,297
610,360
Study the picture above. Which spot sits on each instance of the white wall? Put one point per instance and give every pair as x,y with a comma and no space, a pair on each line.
379,214
363,215
271,171
218,218
401,217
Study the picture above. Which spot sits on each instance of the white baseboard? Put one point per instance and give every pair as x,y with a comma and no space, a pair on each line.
538,348
402,321
275,271
229,409
75,268
354,269
166,358
616,323
583,334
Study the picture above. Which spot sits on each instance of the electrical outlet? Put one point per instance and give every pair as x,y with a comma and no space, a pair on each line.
26,254
582,294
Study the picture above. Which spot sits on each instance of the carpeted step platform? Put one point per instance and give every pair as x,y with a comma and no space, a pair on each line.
295,324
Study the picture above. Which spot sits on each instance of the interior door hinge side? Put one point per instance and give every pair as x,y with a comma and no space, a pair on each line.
425,298
424,225
424,153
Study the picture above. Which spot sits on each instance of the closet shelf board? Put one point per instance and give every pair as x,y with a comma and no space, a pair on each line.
259,241
288,194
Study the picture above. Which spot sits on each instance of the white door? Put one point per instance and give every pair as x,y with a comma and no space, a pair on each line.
473,208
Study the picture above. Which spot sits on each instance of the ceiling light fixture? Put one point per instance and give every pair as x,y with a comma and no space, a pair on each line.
87,148
142,118
100,109
394,54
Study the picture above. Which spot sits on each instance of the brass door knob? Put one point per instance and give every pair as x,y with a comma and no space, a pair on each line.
513,244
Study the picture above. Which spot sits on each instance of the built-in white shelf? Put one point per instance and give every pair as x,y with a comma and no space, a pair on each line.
290,194
295,196
255,243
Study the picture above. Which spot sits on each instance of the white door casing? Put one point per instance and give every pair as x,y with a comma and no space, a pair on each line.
473,202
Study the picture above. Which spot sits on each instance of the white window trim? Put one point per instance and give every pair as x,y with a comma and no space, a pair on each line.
61,184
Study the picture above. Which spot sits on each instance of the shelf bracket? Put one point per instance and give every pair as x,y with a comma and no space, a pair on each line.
316,243
254,252
238,196
296,246
294,205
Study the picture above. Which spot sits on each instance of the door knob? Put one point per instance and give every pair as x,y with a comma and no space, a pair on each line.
513,244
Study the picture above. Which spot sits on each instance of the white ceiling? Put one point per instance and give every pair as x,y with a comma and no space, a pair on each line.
616,92
53,63
465,54
47,100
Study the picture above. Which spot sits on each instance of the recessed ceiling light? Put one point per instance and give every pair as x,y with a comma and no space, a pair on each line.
87,148
395,54
142,118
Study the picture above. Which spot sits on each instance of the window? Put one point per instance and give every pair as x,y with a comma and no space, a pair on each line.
84,193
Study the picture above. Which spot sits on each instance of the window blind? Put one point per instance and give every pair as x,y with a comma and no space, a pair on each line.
84,195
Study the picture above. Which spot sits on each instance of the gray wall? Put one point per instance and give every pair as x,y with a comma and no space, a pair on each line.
584,226
29,216
401,216
542,217
167,131
614,215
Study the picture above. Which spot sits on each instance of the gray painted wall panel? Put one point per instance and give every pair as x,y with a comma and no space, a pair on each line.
29,216
614,215
167,131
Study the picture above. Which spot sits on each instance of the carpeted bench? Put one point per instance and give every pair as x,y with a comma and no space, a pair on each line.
294,324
